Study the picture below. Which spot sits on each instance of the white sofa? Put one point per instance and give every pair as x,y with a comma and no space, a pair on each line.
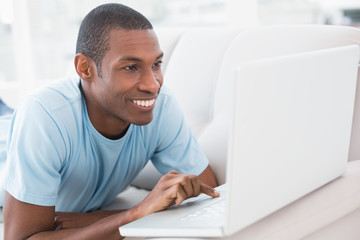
200,70
199,66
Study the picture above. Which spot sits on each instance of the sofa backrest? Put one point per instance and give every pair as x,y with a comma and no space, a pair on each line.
192,72
168,39
267,42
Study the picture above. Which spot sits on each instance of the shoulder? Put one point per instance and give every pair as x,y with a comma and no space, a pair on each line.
56,107
51,115
56,94
167,113
166,95
166,102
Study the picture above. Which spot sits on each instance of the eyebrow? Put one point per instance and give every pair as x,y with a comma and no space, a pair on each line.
135,59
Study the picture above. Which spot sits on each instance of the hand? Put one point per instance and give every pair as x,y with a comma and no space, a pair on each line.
174,188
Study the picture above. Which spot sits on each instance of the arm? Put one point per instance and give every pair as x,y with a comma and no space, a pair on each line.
75,220
37,222
66,220
208,177
28,221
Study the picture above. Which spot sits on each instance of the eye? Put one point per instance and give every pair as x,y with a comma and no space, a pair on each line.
157,64
131,68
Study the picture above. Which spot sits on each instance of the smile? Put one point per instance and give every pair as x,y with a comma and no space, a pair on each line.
144,103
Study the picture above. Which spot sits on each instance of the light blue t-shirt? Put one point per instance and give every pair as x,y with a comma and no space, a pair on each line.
55,157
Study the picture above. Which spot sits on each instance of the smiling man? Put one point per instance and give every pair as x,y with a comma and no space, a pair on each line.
76,144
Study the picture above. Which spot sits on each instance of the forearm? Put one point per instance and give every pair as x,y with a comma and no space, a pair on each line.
94,231
106,228
66,220
106,213
28,221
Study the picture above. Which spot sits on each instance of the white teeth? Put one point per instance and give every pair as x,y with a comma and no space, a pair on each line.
144,103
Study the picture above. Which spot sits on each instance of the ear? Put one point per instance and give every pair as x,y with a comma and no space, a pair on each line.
84,66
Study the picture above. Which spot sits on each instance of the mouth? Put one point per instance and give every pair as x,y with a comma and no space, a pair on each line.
149,103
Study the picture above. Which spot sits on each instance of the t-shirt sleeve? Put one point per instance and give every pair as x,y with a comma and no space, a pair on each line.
35,150
177,148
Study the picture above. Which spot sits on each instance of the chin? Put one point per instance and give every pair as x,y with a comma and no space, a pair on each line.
142,122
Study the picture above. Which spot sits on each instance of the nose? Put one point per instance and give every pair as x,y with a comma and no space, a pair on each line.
150,81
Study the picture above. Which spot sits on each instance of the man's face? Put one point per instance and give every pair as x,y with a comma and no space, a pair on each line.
131,77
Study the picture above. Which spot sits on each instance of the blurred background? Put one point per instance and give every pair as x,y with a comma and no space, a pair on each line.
37,37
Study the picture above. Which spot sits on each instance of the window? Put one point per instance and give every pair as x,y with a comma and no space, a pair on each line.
7,64
37,41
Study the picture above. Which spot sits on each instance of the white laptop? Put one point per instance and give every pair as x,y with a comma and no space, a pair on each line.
289,135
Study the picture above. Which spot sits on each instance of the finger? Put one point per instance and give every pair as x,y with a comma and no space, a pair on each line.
57,224
58,227
208,190
180,194
57,220
167,180
170,179
187,185
196,186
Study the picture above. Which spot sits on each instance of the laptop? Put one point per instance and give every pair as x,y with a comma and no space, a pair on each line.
289,135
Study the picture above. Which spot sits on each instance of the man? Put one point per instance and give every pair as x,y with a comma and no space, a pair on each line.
74,145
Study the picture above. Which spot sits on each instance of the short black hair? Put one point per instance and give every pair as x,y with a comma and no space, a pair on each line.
94,32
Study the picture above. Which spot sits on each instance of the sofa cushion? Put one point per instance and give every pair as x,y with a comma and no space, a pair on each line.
344,228
312,212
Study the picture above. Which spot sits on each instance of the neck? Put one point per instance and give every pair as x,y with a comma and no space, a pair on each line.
105,125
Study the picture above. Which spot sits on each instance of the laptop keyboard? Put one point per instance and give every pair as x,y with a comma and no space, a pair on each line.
215,209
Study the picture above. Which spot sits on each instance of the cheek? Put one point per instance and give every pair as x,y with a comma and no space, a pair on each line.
124,81
110,94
